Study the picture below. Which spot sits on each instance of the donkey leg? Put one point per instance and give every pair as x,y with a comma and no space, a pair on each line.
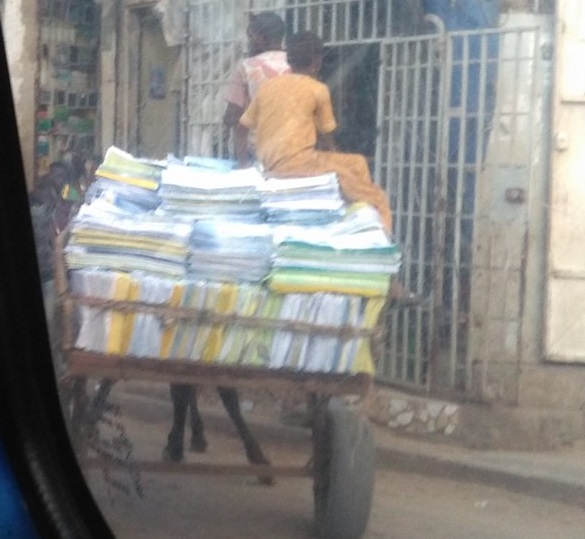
180,395
198,441
231,403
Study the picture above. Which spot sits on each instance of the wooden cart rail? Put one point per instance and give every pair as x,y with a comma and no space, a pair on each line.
94,365
198,468
171,315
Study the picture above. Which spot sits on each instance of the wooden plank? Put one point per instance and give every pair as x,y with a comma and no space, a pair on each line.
260,470
171,315
94,365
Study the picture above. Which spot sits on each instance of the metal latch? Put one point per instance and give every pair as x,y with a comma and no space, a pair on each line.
515,195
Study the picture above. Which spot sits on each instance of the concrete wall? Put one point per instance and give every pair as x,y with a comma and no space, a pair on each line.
133,45
510,236
20,28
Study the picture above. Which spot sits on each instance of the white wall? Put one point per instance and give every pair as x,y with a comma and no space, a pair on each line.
565,327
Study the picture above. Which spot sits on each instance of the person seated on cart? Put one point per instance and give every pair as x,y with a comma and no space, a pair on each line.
291,114
267,59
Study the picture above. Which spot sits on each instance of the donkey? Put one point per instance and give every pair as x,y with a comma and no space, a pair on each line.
184,399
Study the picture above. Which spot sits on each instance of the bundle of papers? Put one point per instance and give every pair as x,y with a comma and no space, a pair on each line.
202,192
314,200
104,236
123,167
351,256
146,335
132,199
229,251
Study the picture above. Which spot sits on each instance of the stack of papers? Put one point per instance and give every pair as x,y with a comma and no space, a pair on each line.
200,192
352,256
105,237
132,199
229,251
123,167
314,200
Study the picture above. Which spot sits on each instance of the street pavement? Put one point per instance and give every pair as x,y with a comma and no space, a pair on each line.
422,489
552,475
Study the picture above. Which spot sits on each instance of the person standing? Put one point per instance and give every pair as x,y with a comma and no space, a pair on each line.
266,60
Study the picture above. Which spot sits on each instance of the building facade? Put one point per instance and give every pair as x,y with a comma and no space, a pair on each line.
470,114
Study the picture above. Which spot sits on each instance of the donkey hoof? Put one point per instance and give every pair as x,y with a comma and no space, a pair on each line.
198,445
172,453
267,481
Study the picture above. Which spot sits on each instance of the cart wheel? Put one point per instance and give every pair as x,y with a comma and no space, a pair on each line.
344,475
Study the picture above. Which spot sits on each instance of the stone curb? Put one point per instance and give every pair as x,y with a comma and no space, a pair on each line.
547,488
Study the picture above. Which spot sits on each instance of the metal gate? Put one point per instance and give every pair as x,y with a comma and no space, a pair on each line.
437,106
215,41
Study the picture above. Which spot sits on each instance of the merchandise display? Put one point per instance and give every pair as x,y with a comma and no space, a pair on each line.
223,266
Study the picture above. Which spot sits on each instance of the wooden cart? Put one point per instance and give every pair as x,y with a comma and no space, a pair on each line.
342,461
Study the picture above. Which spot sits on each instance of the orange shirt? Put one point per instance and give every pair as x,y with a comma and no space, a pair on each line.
287,113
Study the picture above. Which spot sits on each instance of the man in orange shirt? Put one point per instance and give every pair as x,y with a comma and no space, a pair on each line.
291,113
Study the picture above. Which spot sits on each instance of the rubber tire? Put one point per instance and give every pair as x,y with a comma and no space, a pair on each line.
342,508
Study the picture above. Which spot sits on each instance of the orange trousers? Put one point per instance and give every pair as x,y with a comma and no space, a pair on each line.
352,170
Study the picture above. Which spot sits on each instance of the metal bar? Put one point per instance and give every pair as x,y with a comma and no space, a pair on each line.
439,210
347,25
482,114
426,146
389,8
481,129
392,95
401,114
381,163
198,149
536,58
221,78
414,94
515,78
457,217
400,234
186,81
374,19
95,365
380,117
361,21
260,470
334,15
